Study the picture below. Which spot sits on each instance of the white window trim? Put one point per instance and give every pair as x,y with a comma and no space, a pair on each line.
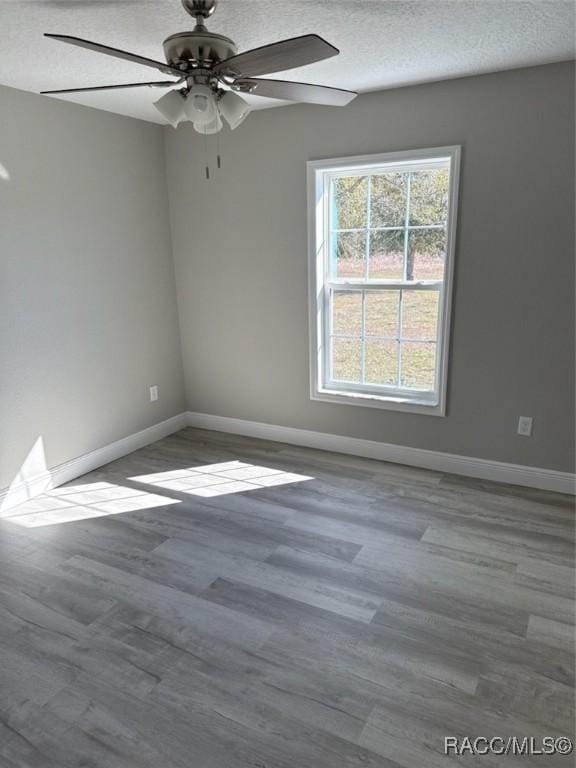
316,290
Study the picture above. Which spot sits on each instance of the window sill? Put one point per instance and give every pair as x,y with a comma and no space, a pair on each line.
384,402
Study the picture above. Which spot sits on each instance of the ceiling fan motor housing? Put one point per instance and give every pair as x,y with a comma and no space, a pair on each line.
199,46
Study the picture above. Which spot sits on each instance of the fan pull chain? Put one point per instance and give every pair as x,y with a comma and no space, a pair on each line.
206,158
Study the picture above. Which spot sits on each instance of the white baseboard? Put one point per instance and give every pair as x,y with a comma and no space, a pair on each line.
496,471
22,490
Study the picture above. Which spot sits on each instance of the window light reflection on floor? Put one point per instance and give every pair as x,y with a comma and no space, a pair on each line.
220,479
82,502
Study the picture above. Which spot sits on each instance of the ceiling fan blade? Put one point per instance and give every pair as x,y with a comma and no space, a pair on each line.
133,57
277,57
158,84
305,93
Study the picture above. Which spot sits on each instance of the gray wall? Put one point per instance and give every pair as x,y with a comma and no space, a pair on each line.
240,253
88,314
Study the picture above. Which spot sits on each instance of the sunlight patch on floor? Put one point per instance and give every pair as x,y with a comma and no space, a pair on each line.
82,502
220,479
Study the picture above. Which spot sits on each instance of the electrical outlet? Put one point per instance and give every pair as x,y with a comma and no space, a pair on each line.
153,393
525,426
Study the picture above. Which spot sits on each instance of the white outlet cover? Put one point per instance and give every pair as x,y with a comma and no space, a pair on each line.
525,426
153,393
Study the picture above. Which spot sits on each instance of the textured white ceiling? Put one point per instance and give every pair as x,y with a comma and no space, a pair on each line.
383,43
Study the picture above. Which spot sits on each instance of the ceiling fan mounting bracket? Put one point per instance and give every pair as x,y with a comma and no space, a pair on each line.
200,9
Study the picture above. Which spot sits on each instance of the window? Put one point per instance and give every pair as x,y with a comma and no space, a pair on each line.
381,255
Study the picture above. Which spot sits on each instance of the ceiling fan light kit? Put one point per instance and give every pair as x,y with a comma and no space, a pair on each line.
233,109
208,128
200,105
171,107
207,72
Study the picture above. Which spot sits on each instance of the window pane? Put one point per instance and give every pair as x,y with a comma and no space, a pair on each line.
419,315
386,255
346,359
426,248
429,197
350,254
388,200
347,313
382,362
418,361
379,266
382,313
349,202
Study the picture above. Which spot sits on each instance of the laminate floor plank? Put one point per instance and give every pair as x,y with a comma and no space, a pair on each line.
546,577
166,601
550,632
529,696
217,601
504,544
17,752
318,592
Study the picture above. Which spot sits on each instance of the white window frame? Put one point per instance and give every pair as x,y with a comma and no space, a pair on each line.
318,172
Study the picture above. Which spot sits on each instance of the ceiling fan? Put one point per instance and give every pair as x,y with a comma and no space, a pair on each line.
208,73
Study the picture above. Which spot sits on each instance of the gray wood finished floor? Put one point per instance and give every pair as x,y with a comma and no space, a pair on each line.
152,616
